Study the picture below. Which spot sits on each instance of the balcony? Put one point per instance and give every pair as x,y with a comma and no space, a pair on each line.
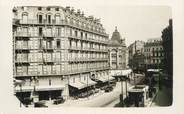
16,22
48,62
74,49
22,63
22,36
22,50
45,49
59,23
82,59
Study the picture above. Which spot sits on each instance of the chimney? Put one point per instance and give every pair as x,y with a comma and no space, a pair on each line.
78,11
68,8
72,10
82,14
91,18
170,22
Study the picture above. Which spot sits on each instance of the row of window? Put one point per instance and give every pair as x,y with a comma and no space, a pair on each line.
86,45
154,61
157,54
57,18
87,55
153,49
57,69
40,57
40,44
44,81
56,32
87,66
56,56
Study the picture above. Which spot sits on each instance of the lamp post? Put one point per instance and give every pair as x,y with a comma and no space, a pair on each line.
159,78
121,95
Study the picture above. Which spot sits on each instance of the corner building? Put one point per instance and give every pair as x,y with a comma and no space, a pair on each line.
117,52
57,52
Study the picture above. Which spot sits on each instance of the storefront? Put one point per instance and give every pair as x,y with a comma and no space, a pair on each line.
81,88
49,92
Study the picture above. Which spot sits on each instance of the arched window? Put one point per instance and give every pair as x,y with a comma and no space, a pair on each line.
49,18
24,17
40,18
57,18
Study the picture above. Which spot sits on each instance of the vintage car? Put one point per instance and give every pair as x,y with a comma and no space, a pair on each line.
58,100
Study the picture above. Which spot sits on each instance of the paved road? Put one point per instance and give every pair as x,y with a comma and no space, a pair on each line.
102,99
116,102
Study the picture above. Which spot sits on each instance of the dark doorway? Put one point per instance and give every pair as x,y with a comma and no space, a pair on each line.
43,95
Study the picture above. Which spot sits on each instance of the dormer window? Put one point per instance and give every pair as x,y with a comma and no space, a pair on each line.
57,9
40,8
48,9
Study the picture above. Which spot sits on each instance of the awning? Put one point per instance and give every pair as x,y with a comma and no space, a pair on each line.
105,78
88,82
154,70
111,78
18,82
38,88
78,85
102,79
23,89
120,72
49,87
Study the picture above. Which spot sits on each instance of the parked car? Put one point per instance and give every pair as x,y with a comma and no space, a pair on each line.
27,100
40,104
59,100
108,89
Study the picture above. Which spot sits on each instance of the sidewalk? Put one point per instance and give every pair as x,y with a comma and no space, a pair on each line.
163,98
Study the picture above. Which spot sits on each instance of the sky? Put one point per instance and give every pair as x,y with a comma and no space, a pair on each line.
133,22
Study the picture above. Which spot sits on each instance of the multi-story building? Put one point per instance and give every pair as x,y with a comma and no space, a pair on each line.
167,38
118,50
136,57
153,52
57,52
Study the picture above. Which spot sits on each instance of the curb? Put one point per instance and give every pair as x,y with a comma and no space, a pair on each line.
149,105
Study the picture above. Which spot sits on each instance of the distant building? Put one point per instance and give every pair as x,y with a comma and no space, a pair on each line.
136,56
153,52
118,51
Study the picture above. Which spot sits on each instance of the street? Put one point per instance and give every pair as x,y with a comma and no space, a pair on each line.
101,99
